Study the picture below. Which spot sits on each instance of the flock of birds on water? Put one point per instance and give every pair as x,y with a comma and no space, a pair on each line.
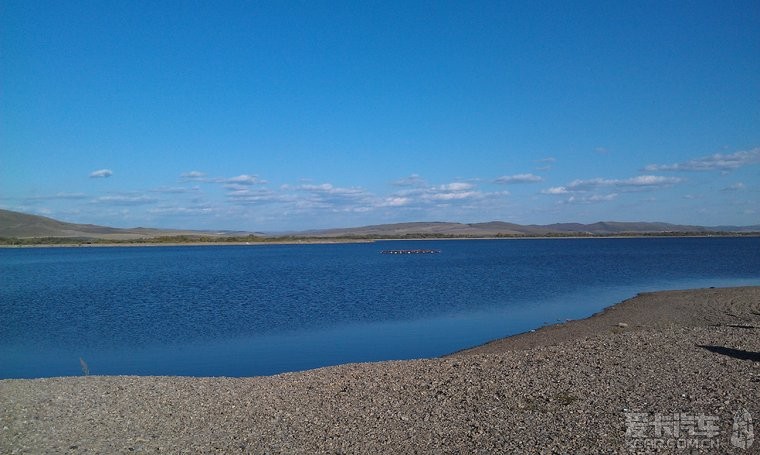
419,251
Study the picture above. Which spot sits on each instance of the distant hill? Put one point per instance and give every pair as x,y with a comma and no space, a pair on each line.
500,228
22,225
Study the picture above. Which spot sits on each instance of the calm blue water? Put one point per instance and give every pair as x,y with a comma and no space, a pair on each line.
256,310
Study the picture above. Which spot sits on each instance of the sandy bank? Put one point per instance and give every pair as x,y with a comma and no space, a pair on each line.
564,388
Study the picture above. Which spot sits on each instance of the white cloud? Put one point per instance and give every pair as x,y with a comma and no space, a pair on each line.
57,196
101,174
519,178
412,180
453,195
638,182
648,180
309,197
546,163
739,186
193,175
602,197
181,211
555,190
395,201
447,192
250,196
322,187
592,190
125,199
243,179
716,162
176,190
450,193
456,186
589,199
329,189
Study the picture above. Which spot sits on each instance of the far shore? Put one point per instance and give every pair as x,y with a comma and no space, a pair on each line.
349,240
598,385
175,244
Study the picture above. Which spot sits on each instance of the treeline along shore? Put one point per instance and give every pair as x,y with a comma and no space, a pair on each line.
654,373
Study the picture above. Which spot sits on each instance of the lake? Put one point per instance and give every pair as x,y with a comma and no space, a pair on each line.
265,309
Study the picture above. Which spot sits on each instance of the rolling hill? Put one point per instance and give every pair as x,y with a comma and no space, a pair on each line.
500,228
24,226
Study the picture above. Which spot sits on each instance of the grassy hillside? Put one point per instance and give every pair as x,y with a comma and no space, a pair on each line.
25,228
503,229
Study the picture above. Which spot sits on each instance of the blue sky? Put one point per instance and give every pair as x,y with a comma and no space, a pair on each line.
274,116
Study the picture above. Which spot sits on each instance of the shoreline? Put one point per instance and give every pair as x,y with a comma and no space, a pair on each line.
644,311
338,240
563,387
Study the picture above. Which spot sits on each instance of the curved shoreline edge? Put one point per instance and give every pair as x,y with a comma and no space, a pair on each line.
571,387
645,311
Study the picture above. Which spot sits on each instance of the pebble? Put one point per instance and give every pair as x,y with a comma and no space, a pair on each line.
562,389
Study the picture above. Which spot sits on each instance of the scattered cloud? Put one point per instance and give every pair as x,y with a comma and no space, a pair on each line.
456,186
590,191
326,196
396,201
518,178
176,190
441,194
181,211
125,200
243,179
327,189
453,195
739,186
546,163
412,180
716,162
193,175
247,196
641,182
605,197
57,196
589,199
450,192
255,196
101,174
555,190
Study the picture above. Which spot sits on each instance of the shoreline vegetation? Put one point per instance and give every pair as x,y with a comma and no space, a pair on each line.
20,229
581,386
175,240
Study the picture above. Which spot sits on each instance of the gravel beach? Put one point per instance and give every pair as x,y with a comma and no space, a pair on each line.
669,372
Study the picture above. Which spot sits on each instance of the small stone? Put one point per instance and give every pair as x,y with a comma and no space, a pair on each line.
622,325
